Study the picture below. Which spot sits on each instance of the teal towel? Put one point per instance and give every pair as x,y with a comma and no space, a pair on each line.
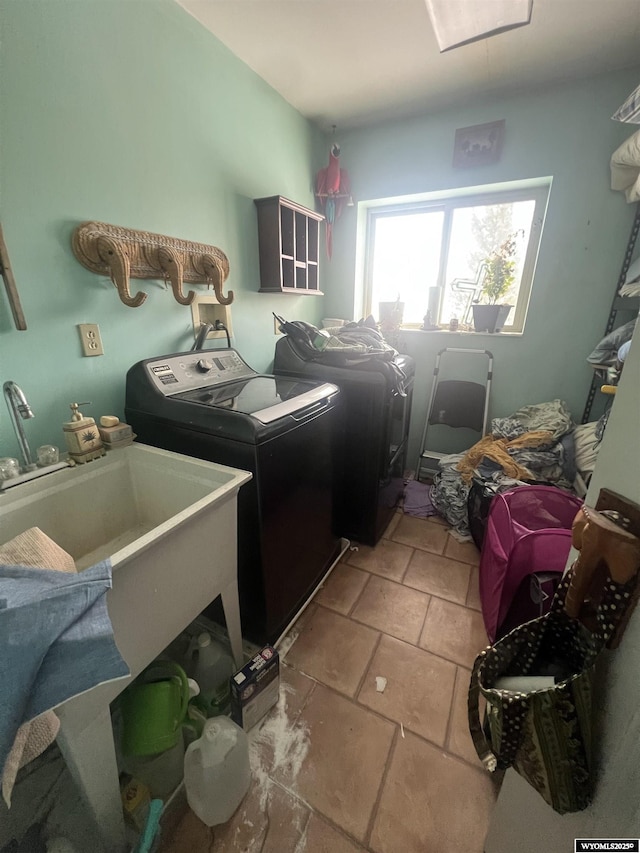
56,640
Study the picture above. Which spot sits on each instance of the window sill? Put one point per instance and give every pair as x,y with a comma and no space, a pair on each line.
460,333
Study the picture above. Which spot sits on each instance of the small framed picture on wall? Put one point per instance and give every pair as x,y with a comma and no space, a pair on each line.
478,145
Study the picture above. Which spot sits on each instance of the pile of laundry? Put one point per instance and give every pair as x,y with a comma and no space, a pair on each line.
357,345
533,445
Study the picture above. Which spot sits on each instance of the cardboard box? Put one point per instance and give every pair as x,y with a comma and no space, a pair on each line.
255,688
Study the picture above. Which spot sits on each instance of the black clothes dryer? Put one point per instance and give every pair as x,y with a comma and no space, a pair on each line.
210,404
372,447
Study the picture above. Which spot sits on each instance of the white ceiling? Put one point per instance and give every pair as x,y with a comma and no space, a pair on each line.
356,62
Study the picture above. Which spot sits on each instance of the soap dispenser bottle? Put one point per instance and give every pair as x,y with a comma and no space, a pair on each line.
82,436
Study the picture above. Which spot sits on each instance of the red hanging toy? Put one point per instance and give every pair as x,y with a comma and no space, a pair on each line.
333,190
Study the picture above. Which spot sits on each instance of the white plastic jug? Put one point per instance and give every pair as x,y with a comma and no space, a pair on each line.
212,667
216,771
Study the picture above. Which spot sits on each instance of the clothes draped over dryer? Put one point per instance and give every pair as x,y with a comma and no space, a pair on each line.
356,345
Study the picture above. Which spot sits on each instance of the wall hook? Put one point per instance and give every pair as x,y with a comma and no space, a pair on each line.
115,257
171,264
213,270
124,253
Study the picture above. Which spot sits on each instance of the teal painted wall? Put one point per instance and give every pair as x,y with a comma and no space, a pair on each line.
564,132
130,113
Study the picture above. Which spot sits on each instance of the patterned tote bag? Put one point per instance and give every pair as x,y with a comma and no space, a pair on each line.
545,734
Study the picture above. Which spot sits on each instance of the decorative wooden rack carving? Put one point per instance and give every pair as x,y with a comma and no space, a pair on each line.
122,253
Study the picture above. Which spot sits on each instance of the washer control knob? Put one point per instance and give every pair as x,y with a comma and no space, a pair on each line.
204,365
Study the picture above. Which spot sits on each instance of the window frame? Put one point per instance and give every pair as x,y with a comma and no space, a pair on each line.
538,191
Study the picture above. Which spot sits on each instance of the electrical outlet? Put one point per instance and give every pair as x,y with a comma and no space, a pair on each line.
90,339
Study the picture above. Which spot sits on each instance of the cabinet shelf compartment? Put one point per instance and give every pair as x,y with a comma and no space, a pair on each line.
288,272
288,241
286,232
313,233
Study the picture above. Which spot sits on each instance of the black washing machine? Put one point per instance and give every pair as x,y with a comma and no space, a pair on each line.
372,448
212,405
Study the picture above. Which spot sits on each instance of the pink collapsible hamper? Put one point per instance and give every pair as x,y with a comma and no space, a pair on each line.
528,532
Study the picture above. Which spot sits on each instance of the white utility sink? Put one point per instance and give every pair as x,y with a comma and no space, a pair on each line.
169,524
117,504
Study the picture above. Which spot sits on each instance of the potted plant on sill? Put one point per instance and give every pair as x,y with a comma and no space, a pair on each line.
489,314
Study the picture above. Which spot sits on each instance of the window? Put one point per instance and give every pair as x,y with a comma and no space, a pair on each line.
435,254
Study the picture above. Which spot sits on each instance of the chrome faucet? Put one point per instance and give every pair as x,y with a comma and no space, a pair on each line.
19,409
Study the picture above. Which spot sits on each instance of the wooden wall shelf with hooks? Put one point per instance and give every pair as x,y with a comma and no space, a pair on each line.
124,253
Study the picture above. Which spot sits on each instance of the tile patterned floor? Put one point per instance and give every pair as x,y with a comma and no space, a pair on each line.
339,767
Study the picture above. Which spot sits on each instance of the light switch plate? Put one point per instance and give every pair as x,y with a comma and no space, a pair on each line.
90,339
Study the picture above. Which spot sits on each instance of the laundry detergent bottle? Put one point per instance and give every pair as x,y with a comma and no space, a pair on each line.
217,771
211,666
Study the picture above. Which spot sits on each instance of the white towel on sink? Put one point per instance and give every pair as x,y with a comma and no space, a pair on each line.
35,549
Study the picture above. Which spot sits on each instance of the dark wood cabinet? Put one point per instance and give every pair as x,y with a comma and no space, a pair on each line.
289,246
